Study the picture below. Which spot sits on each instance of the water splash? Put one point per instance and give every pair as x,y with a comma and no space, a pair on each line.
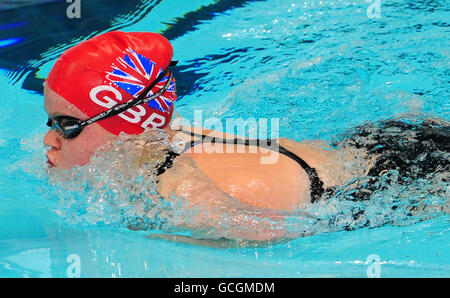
118,187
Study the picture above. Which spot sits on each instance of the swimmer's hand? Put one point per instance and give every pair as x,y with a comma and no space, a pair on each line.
213,214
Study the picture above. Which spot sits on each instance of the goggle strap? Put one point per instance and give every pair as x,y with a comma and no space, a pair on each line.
141,99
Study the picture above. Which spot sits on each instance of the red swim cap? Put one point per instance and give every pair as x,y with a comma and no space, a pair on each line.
113,68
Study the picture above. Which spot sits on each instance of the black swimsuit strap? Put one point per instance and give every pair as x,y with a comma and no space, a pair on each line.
316,184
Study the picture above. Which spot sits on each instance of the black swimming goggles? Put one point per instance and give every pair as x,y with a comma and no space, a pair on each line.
70,127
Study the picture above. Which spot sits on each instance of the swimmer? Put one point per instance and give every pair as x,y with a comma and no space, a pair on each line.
122,83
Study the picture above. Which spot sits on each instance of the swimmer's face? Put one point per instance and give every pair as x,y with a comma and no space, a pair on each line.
68,153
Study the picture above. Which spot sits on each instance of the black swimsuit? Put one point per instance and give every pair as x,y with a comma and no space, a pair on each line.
316,184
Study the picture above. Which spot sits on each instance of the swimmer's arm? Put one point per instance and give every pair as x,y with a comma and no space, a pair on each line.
216,213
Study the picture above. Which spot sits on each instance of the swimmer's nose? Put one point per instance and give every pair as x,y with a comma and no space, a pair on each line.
52,139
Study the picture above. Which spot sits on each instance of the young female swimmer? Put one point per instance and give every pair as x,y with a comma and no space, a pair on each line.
121,82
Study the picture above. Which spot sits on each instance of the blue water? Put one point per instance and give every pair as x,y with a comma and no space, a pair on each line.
321,67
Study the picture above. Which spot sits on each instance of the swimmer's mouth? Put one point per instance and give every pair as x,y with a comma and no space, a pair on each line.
50,164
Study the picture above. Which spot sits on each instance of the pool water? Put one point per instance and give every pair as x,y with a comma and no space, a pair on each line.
320,67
